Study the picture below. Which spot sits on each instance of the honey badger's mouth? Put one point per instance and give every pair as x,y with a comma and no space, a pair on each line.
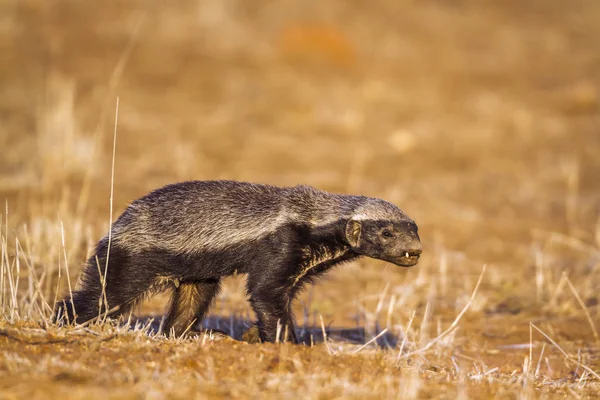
408,259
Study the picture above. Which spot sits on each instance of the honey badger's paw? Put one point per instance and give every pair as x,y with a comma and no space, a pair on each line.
252,335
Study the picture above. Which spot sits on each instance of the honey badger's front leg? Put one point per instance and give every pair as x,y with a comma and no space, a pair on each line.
271,299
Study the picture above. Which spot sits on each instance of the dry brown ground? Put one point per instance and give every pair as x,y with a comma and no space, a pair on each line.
481,119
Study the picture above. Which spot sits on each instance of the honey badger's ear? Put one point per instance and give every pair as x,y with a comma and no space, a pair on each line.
353,231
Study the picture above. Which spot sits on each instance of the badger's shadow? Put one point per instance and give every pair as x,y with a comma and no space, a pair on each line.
234,326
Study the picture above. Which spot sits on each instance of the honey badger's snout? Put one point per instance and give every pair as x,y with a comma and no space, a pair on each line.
412,253
414,248
404,246
407,253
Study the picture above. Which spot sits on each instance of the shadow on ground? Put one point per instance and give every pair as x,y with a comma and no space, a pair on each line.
236,327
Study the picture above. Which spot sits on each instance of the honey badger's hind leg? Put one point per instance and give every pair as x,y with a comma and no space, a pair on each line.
189,304
128,278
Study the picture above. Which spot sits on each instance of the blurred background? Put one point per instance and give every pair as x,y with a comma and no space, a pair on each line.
481,119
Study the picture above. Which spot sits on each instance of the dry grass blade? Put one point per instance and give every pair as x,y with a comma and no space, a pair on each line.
370,341
112,194
103,316
2,266
325,335
567,355
62,236
36,297
187,329
558,290
583,307
454,323
530,349
537,369
405,338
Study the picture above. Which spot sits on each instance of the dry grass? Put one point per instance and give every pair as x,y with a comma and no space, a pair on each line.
479,118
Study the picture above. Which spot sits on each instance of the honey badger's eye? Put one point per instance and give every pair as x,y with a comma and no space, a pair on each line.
387,234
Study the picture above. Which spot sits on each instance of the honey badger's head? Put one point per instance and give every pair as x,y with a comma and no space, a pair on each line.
381,230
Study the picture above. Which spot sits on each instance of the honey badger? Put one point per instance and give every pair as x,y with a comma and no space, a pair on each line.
192,234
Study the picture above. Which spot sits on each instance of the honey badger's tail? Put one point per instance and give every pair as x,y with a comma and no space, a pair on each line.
128,277
82,307
88,300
